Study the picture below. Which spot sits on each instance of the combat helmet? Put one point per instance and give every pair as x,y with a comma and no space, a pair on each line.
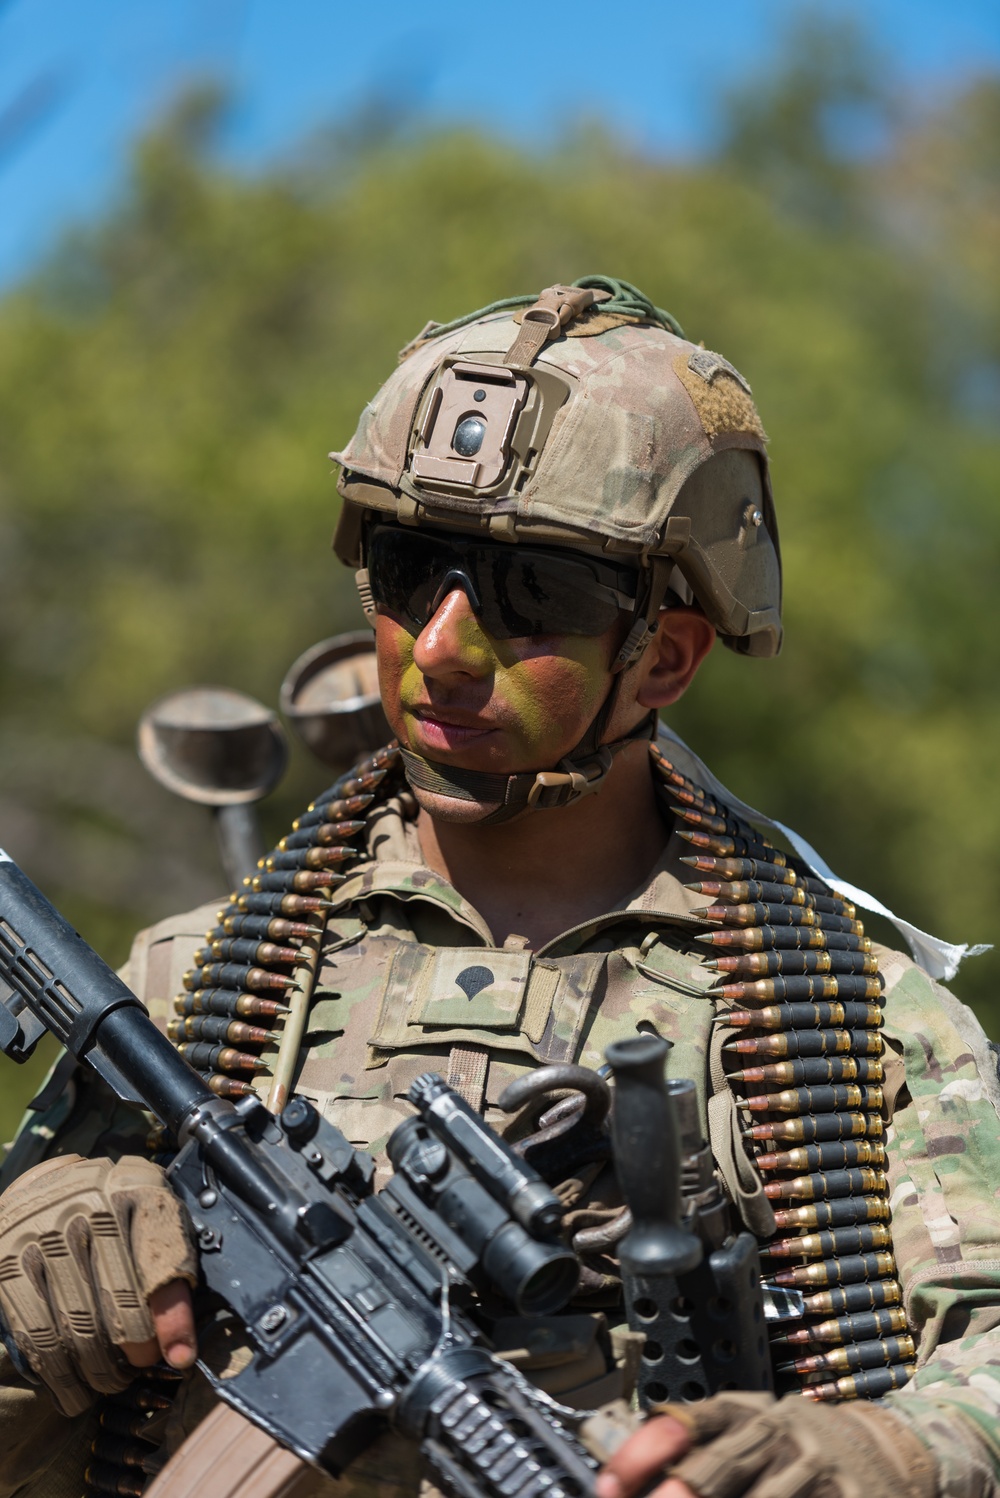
584,420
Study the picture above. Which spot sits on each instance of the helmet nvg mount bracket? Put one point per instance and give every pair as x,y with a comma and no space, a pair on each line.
580,419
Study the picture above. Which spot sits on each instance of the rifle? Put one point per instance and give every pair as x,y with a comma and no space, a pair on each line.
355,1303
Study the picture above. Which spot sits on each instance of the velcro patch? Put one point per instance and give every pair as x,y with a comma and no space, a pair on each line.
464,986
708,364
719,394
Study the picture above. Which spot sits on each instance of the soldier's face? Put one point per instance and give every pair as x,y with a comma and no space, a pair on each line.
454,694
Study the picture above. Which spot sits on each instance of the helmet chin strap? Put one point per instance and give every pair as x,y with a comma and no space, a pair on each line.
579,773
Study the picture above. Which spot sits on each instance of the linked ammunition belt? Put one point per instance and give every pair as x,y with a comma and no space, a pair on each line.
233,1007
228,1025
125,1454
800,989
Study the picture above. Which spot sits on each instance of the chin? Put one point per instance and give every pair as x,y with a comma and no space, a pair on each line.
452,808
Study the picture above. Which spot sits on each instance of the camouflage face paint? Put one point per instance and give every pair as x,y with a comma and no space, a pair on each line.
454,694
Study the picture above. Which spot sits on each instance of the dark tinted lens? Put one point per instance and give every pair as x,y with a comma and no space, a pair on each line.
405,569
520,591
535,594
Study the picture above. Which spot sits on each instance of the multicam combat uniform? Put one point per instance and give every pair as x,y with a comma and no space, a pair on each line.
412,979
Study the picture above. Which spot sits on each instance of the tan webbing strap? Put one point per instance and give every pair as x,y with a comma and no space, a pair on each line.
532,336
556,306
467,1068
742,1179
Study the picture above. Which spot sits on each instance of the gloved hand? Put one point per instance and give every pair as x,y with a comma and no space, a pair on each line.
84,1246
753,1446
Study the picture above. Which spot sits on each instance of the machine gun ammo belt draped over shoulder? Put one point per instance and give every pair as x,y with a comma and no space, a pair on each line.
259,960
798,985
800,993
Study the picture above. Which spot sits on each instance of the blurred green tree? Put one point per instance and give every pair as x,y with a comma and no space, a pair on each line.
171,381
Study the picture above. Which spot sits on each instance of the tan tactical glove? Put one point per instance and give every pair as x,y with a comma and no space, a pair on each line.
83,1244
753,1446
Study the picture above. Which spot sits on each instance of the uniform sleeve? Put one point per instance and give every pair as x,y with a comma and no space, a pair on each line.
42,1453
944,1181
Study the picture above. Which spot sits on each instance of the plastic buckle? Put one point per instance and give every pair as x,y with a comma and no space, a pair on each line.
558,305
555,780
365,594
575,783
547,315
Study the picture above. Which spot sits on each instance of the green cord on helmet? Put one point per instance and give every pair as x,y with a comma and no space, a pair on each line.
625,299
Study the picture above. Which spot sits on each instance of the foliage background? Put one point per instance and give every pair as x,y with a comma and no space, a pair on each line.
171,380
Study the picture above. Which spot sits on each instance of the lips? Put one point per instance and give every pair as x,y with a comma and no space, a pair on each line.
449,728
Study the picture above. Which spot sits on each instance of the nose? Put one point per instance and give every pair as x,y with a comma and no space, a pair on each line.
452,642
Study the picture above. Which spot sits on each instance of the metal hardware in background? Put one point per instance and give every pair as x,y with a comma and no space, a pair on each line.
221,749
330,696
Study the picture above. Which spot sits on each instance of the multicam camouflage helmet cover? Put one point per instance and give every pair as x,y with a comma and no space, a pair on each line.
581,419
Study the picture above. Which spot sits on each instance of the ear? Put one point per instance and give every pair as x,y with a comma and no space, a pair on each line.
682,640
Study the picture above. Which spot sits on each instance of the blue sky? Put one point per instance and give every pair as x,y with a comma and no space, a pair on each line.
79,78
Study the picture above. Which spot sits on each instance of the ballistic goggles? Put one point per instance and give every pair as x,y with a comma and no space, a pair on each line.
514,590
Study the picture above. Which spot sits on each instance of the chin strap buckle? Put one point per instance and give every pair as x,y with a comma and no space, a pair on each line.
562,787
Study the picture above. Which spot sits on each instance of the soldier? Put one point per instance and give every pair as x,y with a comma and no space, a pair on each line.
553,507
